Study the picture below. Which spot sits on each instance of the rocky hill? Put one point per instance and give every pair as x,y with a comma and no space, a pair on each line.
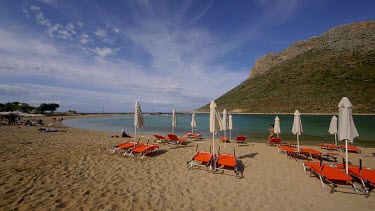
312,75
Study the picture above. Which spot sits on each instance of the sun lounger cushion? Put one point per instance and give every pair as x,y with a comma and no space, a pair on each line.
226,160
203,157
328,172
351,148
144,148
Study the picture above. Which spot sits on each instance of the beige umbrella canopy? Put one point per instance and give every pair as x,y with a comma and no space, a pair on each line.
297,126
174,120
277,128
346,129
215,123
193,122
225,122
230,126
138,118
333,128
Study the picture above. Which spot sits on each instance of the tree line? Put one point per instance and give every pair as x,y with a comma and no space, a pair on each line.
17,106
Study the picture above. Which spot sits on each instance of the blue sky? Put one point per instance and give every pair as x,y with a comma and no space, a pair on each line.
89,55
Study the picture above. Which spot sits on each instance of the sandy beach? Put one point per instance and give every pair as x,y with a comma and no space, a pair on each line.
73,169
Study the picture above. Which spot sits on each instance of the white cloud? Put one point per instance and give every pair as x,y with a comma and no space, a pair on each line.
12,90
103,52
34,8
84,38
48,1
102,33
41,20
14,43
180,68
80,24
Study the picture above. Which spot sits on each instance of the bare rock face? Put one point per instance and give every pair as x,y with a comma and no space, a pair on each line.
351,37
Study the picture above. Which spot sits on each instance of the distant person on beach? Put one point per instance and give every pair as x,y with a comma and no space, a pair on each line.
272,133
124,134
12,119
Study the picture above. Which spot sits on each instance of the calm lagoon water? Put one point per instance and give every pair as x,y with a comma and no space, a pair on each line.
254,126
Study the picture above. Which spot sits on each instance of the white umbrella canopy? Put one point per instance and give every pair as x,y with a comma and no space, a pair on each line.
297,126
174,120
230,126
138,118
225,122
276,128
333,128
215,123
193,122
346,127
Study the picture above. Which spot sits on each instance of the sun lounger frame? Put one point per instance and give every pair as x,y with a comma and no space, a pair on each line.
367,186
191,163
323,178
235,168
144,153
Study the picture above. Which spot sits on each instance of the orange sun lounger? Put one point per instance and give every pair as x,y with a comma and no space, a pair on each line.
127,146
144,149
332,175
224,139
226,161
176,140
193,135
351,148
240,139
328,146
161,139
274,141
365,176
291,151
201,158
316,154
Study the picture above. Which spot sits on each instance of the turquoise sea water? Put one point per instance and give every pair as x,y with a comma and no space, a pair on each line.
254,126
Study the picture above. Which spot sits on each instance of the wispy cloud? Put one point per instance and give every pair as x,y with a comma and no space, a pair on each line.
102,33
102,52
180,69
12,90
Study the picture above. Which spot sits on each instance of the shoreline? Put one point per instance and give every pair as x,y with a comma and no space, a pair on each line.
199,112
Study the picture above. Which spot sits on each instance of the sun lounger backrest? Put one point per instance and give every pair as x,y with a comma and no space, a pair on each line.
241,138
276,140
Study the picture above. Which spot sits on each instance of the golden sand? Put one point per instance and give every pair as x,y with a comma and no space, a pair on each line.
75,170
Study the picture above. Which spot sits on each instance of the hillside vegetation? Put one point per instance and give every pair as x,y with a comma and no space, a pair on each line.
312,82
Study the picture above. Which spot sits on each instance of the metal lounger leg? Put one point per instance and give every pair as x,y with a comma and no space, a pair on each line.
321,180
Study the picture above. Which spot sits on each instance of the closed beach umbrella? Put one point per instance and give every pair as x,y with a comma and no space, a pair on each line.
174,120
225,122
277,128
193,122
138,118
230,126
346,130
215,123
297,126
333,128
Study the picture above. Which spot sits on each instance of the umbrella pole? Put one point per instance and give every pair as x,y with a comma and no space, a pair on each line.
230,135
297,142
277,135
192,129
346,156
213,148
135,134
335,139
